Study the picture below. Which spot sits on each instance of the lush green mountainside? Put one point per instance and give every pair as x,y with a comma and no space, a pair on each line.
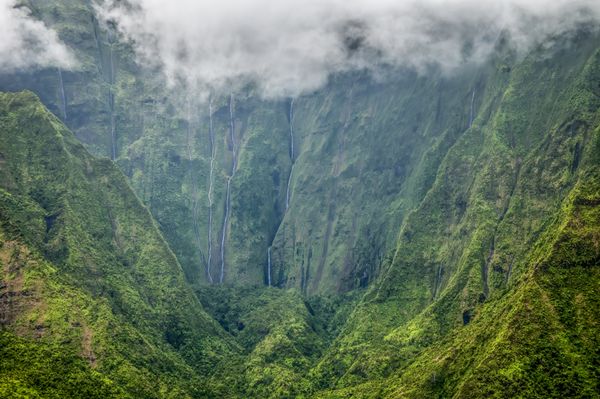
365,153
85,268
430,235
538,339
470,248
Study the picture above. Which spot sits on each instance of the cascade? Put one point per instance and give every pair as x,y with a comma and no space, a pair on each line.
111,61
210,189
224,230
289,181
332,199
62,93
111,96
112,126
269,266
194,193
228,194
438,281
291,130
486,266
232,130
287,191
472,115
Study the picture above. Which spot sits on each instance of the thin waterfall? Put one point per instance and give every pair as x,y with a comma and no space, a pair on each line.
232,130
97,41
289,181
287,191
210,188
194,193
291,130
438,280
111,63
113,134
62,93
111,96
472,115
228,195
269,266
225,220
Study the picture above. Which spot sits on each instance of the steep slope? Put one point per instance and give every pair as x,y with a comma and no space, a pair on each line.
365,158
538,339
436,196
470,248
85,270
364,153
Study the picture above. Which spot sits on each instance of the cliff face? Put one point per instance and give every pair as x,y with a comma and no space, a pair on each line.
492,251
364,153
431,236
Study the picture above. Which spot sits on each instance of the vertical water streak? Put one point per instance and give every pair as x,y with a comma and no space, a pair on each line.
224,230
111,96
289,181
62,94
438,280
269,266
232,130
228,194
111,64
287,191
194,191
210,189
472,115
291,130
113,138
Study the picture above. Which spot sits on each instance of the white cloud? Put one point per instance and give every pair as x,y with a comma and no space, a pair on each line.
286,47
27,43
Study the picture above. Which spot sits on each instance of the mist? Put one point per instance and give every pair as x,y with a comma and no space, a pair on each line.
27,43
286,48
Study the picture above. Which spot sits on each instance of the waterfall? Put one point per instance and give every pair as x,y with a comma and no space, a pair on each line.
111,70
472,115
113,138
194,193
210,188
438,280
225,219
287,191
111,96
228,194
62,94
269,266
289,181
232,130
292,130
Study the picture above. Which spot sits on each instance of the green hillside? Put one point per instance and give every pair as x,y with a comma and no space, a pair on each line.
86,271
410,235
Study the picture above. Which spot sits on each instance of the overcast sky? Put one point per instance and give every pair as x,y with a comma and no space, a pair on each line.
289,47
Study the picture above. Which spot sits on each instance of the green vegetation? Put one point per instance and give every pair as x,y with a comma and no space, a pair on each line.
85,266
30,370
423,254
467,307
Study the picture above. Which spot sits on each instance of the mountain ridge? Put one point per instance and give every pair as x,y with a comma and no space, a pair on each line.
440,236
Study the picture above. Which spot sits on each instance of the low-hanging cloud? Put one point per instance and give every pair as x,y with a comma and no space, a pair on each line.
289,47
27,43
